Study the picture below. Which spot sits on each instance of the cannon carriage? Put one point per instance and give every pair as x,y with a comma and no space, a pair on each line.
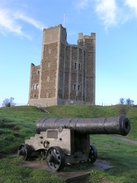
67,140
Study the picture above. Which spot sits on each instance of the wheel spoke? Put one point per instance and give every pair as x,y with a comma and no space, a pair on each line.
24,151
55,158
92,154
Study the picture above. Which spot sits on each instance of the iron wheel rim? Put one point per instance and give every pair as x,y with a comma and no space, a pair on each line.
55,158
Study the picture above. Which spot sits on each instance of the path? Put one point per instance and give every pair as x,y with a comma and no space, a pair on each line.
127,140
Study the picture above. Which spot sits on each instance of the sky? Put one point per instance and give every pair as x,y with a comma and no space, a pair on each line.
113,21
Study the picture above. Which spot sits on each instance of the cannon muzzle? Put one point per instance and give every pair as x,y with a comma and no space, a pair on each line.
114,125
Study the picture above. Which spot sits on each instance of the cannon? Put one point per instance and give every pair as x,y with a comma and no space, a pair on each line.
67,140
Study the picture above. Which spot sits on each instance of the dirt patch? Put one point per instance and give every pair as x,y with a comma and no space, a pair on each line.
99,164
72,173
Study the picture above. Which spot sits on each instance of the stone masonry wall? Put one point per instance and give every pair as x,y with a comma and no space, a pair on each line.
73,86
80,75
34,84
49,71
90,71
89,66
61,71
67,72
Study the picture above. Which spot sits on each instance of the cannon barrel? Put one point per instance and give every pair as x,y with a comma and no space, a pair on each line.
114,125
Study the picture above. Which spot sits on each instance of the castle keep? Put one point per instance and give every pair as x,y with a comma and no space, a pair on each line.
66,74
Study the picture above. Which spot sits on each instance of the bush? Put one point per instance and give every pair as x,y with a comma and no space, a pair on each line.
122,110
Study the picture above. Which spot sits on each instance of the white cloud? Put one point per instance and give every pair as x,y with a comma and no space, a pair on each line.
106,10
132,4
9,22
111,12
82,4
35,23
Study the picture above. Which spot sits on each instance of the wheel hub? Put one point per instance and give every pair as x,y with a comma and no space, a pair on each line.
52,159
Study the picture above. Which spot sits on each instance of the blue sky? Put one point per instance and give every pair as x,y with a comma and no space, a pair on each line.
113,21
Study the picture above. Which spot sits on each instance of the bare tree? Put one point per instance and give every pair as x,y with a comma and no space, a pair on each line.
8,102
129,102
121,101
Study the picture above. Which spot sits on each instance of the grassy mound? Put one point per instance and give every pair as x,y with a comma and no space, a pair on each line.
18,124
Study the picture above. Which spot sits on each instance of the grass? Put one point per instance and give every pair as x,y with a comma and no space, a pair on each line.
12,171
122,155
18,124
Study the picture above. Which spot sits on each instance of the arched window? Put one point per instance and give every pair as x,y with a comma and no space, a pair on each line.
75,66
74,87
37,86
78,87
79,66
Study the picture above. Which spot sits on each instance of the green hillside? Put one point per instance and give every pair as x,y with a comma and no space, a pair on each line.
18,124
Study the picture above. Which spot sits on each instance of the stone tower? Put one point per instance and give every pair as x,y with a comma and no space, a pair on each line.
66,74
